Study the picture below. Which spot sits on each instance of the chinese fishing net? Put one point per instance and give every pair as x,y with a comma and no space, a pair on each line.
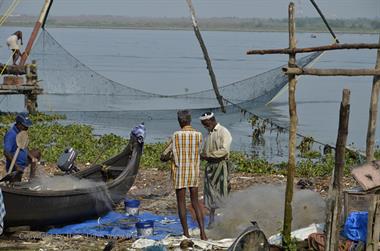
64,76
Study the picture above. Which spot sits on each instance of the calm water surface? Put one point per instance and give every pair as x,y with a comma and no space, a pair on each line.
171,62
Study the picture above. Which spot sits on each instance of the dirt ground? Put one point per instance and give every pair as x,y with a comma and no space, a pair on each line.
154,189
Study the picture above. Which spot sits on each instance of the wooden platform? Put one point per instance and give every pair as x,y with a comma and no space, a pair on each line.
19,89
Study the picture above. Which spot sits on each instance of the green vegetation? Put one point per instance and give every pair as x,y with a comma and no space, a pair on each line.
52,138
304,24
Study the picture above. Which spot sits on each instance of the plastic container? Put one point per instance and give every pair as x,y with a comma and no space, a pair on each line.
131,207
145,228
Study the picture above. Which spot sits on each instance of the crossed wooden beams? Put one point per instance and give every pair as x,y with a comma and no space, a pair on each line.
322,72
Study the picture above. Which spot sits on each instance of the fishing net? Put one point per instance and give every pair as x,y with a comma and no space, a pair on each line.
63,74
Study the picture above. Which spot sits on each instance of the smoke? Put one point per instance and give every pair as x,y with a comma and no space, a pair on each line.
264,204
97,190
61,183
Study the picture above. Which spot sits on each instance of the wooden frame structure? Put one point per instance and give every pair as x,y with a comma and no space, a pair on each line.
15,84
335,193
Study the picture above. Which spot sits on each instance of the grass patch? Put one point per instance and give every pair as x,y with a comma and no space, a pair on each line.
52,139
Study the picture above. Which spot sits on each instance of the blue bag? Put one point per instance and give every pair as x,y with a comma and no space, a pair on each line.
355,227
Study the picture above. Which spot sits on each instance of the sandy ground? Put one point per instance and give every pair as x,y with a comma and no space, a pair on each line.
154,189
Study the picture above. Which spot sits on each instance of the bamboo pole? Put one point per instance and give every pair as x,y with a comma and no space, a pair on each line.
324,20
286,239
206,56
313,49
331,72
373,111
334,200
33,36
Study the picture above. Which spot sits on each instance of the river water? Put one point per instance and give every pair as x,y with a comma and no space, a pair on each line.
171,62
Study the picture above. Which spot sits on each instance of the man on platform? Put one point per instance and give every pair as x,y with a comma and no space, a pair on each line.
216,151
24,157
14,45
183,150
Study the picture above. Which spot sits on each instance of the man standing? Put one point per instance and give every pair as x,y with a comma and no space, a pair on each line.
14,45
216,151
184,150
24,157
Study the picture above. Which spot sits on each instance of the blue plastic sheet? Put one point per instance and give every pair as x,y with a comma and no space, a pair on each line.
113,225
355,227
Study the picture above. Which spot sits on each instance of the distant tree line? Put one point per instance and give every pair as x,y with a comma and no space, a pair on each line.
311,24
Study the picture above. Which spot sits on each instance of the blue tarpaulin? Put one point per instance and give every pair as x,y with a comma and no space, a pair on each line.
119,225
355,227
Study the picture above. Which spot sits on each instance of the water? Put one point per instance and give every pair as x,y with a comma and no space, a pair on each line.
171,62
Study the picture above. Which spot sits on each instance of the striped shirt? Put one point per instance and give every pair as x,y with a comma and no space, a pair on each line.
186,160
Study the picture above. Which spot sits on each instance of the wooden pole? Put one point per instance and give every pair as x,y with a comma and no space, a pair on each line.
35,31
373,227
206,56
334,201
286,239
313,49
373,111
331,72
324,20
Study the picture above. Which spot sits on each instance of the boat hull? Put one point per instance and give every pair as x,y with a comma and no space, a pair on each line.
25,207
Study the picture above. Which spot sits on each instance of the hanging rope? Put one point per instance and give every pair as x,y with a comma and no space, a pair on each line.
3,18
9,11
6,65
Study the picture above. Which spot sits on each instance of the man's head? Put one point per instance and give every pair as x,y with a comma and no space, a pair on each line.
18,34
184,118
22,121
208,121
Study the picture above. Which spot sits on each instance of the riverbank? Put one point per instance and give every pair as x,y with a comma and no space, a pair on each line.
153,188
153,185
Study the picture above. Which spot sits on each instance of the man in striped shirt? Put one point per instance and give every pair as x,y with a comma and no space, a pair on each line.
185,148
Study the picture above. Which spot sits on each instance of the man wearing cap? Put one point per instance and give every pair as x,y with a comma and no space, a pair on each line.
24,157
216,151
183,150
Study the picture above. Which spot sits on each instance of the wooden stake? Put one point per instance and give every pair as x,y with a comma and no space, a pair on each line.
206,56
373,111
334,202
286,239
331,72
313,49
373,227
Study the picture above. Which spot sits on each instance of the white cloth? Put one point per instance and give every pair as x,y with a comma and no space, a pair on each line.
13,43
2,212
218,143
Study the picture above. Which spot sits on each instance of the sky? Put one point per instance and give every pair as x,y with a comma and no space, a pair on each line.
204,8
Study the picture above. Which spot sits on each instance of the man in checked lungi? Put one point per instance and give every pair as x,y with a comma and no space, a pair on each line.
216,151
184,152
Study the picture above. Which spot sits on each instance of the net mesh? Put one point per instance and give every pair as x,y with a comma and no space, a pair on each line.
63,74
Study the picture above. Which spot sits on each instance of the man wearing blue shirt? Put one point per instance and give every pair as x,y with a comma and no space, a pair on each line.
25,157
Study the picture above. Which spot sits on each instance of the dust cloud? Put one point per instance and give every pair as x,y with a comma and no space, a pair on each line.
264,204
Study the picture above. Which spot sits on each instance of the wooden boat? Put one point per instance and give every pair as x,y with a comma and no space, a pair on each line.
26,207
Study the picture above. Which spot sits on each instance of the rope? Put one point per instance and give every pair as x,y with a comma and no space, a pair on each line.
6,65
3,18
9,11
